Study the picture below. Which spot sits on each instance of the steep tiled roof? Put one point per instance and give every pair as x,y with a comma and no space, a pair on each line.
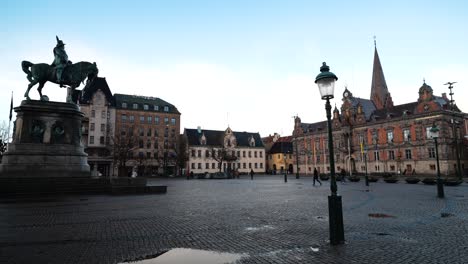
281,147
98,83
368,106
396,111
142,100
314,127
216,137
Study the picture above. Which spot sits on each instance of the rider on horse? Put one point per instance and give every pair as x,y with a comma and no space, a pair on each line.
60,60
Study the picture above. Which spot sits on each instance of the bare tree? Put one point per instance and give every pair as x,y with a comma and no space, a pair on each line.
221,155
3,138
181,153
122,146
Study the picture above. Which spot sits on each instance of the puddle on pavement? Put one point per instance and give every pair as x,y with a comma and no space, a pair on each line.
193,256
381,216
261,228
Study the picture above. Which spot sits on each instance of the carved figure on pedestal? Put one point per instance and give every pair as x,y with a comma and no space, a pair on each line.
58,133
37,132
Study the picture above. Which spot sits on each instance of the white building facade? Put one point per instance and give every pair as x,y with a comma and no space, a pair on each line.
211,151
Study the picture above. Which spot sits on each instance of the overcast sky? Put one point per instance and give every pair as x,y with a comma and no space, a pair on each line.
247,64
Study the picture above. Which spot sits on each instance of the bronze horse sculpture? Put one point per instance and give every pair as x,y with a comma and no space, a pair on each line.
72,76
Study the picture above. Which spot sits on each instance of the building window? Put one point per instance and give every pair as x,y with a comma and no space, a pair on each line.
166,120
135,106
255,154
250,165
101,140
103,127
250,155
193,166
406,135
141,132
243,165
140,143
261,165
148,133
243,153
432,167
199,166
431,152
91,140
255,165
428,132
173,121
132,119
148,155
155,144
408,153
166,108
213,165
391,155
156,120
156,107
145,107
199,153
390,136
376,155
124,118
318,158
207,153
124,105
103,114
207,166
91,126
261,154
149,119
142,119
93,113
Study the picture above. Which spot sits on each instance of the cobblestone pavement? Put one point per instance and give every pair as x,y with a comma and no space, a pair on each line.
266,220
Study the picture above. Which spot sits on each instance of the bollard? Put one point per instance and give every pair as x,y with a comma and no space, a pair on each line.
285,178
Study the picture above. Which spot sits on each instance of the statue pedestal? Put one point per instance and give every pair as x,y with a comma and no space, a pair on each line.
46,142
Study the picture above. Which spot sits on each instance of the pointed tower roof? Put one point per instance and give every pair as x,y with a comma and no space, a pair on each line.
379,91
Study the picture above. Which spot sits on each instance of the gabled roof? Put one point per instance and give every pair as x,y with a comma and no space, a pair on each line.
98,83
216,137
142,100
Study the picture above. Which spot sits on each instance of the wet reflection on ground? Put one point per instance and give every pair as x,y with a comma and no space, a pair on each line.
193,256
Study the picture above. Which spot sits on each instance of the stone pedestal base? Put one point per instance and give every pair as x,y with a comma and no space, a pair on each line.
46,142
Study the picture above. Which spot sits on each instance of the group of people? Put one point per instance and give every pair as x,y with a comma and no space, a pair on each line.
316,176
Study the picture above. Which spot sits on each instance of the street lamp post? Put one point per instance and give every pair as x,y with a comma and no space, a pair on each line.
365,162
434,133
326,84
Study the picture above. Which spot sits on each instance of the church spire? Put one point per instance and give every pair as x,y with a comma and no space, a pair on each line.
379,91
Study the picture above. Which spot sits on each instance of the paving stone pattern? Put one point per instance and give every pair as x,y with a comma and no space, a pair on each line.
266,220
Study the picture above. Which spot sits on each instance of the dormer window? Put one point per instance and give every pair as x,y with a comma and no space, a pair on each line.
203,140
124,105
252,142
145,107
156,107
135,106
166,108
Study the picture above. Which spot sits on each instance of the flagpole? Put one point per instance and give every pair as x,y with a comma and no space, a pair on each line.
9,121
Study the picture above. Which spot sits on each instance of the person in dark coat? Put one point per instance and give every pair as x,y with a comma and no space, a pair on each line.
251,174
343,175
316,178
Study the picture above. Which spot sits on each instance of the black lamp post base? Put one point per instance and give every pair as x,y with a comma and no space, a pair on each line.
335,214
440,188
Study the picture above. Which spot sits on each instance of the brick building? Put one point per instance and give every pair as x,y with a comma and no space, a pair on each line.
395,137
125,133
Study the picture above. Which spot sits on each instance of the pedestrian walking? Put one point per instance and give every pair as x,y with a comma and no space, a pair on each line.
251,174
316,178
343,176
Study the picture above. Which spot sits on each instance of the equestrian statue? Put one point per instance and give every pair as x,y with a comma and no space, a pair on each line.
61,71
